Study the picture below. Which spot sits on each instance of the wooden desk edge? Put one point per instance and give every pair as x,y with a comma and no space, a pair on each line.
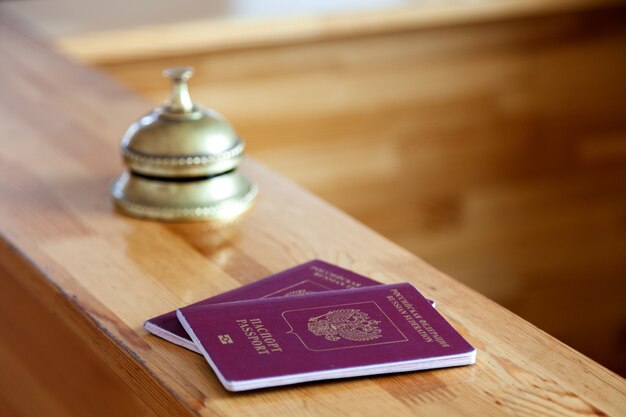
110,349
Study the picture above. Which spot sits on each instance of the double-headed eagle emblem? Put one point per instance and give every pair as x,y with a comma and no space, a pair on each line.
350,324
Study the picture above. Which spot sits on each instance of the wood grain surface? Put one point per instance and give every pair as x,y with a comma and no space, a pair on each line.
490,140
101,274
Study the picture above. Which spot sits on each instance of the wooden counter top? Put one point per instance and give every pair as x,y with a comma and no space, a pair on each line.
101,274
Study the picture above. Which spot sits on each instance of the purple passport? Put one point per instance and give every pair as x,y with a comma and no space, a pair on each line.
313,276
334,334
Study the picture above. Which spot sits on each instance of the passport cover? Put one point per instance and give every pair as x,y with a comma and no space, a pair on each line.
312,276
334,334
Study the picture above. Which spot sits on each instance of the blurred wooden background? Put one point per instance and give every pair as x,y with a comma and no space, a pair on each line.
489,138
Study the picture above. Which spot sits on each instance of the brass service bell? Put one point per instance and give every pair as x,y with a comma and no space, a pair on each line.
182,162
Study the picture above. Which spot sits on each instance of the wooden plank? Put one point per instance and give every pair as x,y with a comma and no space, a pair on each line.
102,273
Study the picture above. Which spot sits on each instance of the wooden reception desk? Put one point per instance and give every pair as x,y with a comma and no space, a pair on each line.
77,280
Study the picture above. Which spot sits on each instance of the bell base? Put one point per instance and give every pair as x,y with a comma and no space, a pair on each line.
221,198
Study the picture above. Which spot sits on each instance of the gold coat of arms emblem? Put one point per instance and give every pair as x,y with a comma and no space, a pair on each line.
351,324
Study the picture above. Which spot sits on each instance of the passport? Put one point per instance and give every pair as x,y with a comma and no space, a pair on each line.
310,277
326,335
